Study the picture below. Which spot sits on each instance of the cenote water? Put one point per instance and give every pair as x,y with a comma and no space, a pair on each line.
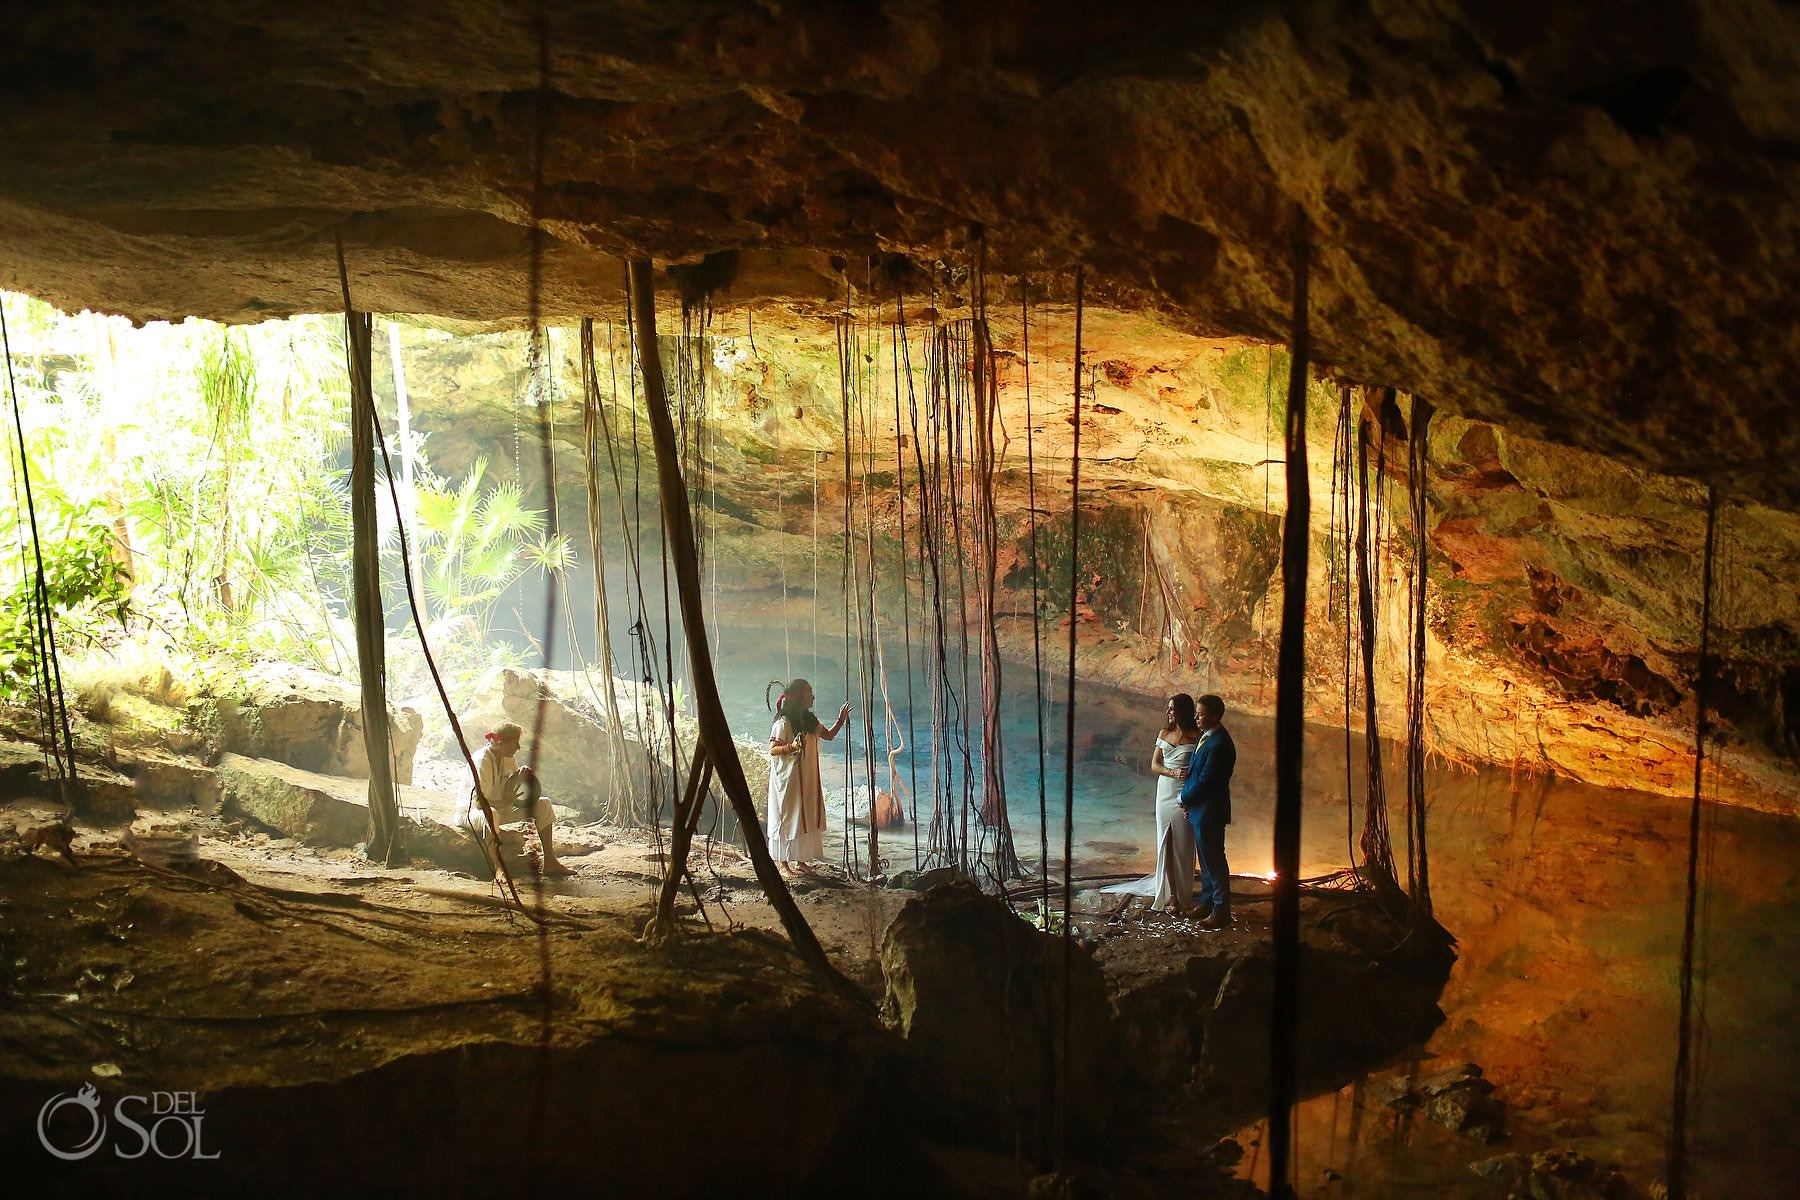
1566,900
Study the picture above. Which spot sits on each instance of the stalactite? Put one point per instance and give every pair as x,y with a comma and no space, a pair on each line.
849,577
935,528
646,812
896,346
1061,1104
1037,650
869,631
1677,1174
1377,866
957,374
1342,455
641,630
986,394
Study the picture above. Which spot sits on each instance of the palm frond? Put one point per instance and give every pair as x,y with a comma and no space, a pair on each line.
551,555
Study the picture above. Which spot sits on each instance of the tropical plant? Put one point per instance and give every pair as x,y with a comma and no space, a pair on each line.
214,458
84,586
475,542
212,452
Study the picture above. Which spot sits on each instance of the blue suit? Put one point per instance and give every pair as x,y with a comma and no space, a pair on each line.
1206,797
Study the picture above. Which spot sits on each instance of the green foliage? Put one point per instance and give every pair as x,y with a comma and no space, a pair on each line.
226,375
212,450
475,542
84,584
215,457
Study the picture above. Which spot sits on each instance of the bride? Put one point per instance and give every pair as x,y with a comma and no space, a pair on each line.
1175,852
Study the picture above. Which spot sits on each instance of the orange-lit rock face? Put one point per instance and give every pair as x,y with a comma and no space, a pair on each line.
1577,225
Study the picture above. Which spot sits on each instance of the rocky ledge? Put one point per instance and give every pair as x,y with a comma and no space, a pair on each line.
1160,1012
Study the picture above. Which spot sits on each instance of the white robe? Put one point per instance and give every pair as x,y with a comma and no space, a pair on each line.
501,784
796,815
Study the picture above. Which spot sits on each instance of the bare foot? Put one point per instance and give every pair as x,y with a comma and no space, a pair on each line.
556,870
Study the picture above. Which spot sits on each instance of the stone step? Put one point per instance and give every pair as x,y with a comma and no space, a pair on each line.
105,794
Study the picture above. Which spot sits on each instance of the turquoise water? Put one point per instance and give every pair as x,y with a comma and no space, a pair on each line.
1115,732
1113,791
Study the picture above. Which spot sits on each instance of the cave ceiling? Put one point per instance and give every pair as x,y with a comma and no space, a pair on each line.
1577,220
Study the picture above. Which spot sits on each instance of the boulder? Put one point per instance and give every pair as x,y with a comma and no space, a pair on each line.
575,759
977,993
330,811
921,881
101,793
1462,1101
1361,999
1191,1007
21,770
1459,1099
165,781
297,803
306,719
443,845
573,754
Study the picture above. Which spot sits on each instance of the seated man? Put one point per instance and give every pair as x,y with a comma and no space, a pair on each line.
514,794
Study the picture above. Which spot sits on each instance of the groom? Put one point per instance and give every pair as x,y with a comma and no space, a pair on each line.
1206,798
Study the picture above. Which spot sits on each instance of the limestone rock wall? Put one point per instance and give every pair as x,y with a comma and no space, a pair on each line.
1564,592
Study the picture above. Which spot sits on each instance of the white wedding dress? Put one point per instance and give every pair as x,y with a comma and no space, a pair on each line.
1176,856
1175,851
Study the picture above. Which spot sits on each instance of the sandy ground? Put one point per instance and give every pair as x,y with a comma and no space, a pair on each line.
183,948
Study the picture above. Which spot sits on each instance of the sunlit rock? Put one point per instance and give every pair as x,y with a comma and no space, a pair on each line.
567,742
307,719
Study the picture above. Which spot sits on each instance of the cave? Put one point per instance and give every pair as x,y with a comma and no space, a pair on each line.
1408,376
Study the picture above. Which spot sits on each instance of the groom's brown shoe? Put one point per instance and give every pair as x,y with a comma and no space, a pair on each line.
1216,921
